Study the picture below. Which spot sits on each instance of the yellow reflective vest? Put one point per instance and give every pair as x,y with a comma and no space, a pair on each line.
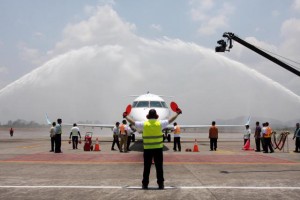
152,134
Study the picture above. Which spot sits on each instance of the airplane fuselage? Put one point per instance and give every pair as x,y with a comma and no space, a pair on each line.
142,104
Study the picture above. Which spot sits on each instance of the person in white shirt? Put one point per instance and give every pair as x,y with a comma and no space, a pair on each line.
129,138
75,133
247,134
52,136
116,134
262,133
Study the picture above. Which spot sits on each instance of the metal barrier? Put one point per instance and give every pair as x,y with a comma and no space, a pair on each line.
280,141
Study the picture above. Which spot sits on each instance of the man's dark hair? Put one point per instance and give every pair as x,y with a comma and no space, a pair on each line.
152,114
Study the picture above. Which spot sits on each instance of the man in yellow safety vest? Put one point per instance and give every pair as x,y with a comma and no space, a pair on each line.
153,144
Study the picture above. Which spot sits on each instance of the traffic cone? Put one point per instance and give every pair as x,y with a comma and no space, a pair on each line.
97,145
196,149
247,146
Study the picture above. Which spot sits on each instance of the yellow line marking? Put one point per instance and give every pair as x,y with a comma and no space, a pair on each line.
28,147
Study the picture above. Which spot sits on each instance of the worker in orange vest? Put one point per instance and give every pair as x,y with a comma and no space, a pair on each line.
176,137
267,139
123,136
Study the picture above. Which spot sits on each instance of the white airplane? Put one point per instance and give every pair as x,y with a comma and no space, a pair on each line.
140,108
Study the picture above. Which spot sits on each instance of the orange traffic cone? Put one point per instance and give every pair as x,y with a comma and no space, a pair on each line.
196,149
247,146
97,145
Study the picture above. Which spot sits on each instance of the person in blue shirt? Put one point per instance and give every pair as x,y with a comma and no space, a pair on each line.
297,136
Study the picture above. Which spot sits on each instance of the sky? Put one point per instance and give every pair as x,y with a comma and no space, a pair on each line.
88,53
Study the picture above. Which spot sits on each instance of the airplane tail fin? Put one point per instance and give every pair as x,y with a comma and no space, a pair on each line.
47,119
248,121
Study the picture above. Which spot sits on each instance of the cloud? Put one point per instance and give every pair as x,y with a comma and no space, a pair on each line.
210,22
95,30
92,78
290,30
31,55
38,34
3,70
296,5
275,13
156,27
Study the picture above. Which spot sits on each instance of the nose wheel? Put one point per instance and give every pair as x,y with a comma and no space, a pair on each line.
167,136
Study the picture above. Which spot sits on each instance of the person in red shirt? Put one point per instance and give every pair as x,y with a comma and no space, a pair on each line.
213,136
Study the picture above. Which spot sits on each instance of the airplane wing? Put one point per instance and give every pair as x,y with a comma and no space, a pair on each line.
95,125
203,126
84,125
218,125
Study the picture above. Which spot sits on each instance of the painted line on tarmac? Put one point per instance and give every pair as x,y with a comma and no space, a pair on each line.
241,188
61,186
128,162
139,187
29,147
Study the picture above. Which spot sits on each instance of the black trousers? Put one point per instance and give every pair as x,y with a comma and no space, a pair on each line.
257,142
115,141
268,145
57,143
263,143
75,141
52,143
157,154
128,141
213,143
177,144
297,143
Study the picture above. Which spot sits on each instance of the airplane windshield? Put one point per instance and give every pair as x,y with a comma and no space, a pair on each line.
155,104
164,104
143,104
134,104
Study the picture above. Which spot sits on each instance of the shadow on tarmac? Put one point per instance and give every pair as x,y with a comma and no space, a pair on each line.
138,146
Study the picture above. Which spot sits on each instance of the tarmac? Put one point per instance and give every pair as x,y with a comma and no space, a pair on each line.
29,171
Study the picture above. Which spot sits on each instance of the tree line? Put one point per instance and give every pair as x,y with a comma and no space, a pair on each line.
20,123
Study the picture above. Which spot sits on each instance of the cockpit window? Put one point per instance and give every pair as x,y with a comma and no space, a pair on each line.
155,104
143,104
164,104
134,104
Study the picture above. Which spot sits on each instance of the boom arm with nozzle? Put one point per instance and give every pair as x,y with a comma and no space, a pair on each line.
231,36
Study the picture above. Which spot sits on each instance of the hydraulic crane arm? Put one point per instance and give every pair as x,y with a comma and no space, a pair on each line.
231,36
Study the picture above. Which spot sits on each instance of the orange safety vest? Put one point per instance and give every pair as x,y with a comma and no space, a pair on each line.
177,130
122,129
268,132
